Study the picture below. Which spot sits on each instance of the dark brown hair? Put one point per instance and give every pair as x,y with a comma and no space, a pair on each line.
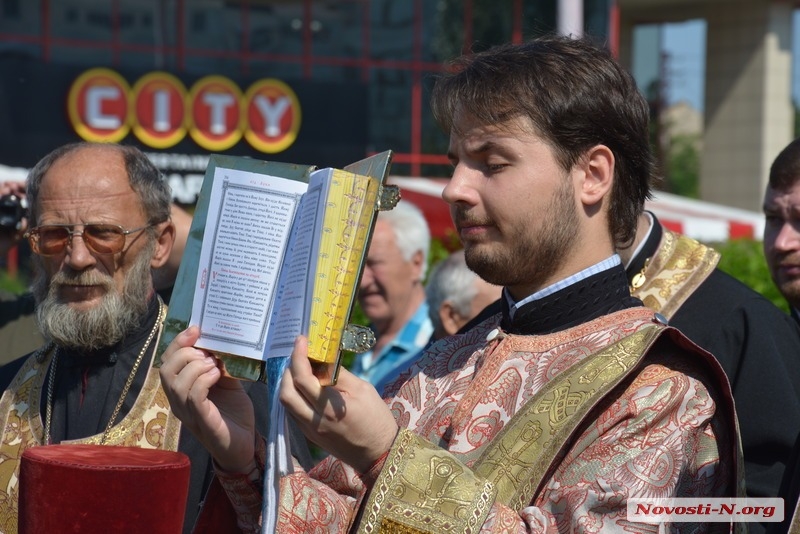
785,170
576,96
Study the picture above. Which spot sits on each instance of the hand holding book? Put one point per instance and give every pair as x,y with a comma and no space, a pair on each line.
276,251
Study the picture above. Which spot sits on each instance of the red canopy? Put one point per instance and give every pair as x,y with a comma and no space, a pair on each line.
703,221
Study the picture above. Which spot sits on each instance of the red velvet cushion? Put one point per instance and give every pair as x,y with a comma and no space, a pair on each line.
96,488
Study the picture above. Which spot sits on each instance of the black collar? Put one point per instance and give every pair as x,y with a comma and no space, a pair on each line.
590,298
648,250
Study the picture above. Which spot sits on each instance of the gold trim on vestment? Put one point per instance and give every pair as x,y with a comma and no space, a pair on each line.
679,266
518,458
423,488
675,272
149,425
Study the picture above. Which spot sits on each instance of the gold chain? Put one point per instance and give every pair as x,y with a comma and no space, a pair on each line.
52,382
639,278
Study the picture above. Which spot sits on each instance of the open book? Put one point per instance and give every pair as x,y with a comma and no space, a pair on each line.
275,251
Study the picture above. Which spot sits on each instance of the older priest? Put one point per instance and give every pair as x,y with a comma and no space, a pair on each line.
100,222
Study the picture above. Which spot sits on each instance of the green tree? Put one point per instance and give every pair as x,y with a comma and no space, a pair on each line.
11,284
744,259
684,166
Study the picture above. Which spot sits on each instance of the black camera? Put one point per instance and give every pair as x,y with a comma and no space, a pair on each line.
12,211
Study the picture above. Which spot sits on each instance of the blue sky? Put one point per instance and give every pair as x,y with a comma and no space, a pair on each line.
685,45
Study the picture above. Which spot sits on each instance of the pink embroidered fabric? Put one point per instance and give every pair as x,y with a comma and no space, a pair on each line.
658,436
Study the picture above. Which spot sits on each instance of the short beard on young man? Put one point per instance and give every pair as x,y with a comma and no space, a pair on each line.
105,324
537,253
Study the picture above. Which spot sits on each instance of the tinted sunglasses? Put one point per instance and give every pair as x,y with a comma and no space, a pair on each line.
52,239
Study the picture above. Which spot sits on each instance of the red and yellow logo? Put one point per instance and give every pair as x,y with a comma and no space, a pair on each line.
160,111
273,113
98,106
157,110
214,112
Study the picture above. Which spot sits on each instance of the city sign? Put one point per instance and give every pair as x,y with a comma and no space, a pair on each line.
159,110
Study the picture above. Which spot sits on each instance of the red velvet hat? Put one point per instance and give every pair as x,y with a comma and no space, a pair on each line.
97,488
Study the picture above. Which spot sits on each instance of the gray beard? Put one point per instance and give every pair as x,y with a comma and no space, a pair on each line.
105,324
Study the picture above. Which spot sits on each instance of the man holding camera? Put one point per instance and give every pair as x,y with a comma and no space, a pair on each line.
18,331
12,215
13,223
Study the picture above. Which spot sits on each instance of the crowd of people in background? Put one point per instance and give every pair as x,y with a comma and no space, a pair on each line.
561,267
392,294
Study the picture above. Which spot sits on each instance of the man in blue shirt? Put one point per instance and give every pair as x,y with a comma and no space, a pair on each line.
392,294
455,295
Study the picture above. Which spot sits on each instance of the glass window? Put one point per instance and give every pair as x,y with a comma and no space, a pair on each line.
389,110
82,21
595,17
336,73
337,28
148,22
434,141
443,30
391,32
84,55
646,61
274,69
539,18
275,28
20,17
157,59
400,169
213,37
212,25
13,49
491,23
206,62
11,9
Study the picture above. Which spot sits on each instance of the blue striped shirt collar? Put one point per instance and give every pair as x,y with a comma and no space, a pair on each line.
604,265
